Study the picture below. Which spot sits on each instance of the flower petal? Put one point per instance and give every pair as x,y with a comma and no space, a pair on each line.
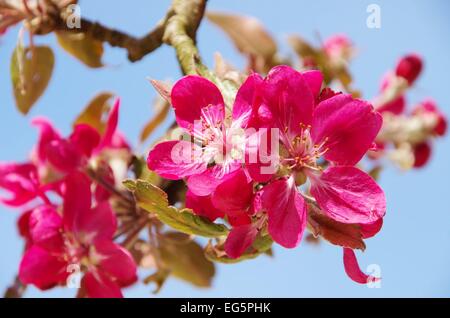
234,195
47,134
98,285
202,206
314,80
77,199
23,225
289,98
286,210
262,154
371,229
190,95
239,239
352,268
19,181
205,183
176,159
95,224
246,100
349,195
63,155
111,128
45,228
41,268
347,126
85,139
116,262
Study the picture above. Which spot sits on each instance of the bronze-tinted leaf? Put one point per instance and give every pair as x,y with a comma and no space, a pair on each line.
158,278
187,262
375,172
345,235
83,47
247,33
94,113
163,89
161,114
31,70
301,47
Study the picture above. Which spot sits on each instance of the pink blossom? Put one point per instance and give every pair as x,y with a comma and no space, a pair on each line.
341,130
68,154
81,236
219,146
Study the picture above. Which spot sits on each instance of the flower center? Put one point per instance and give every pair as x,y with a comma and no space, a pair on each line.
302,151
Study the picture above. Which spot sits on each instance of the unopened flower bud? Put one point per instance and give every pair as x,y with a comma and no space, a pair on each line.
409,67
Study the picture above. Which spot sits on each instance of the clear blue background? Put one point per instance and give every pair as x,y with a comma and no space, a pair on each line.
413,249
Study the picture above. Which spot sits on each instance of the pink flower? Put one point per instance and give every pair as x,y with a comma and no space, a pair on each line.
68,154
409,67
341,130
219,147
82,237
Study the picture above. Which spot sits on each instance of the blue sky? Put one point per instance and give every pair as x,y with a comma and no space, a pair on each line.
413,249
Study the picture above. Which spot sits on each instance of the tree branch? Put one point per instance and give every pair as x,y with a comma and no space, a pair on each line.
137,48
180,32
178,29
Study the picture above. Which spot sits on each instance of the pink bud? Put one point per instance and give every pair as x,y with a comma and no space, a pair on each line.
409,67
422,153
430,106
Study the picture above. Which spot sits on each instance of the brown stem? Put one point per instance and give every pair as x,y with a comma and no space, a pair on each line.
109,187
16,290
134,234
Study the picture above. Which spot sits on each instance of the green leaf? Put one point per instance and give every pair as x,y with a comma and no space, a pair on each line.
83,47
94,113
31,70
263,243
153,199
187,261
302,48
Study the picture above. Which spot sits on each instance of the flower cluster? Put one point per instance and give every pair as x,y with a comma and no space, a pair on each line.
69,224
406,135
286,146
